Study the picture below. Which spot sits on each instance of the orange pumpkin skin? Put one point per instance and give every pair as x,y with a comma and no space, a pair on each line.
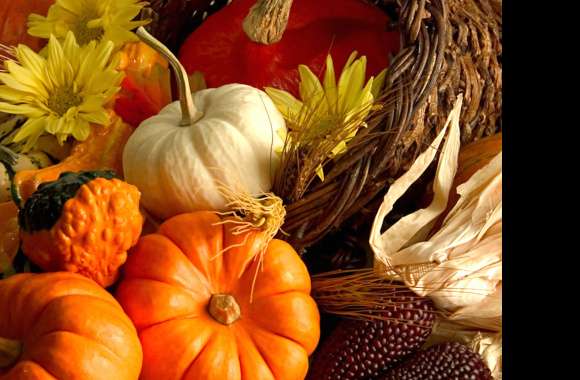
169,279
71,328
14,18
93,234
9,239
103,149
471,158
146,88
476,155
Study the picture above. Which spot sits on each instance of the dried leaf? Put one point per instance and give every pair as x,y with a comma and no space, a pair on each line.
465,253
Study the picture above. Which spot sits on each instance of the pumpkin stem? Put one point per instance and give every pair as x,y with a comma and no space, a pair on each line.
10,351
189,113
267,21
224,308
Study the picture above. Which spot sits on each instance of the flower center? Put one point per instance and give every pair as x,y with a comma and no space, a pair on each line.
62,99
84,34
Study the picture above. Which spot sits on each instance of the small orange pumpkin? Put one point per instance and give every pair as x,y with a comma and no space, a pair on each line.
83,222
192,304
103,149
9,239
472,157
64,326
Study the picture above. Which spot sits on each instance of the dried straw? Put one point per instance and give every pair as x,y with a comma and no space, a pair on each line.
7,53
263,213
356,293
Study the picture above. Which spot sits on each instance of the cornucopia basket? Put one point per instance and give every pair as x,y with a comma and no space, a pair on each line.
447,48
237,210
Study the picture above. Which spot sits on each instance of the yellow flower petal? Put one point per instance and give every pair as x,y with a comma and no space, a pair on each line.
309,84
10,81
282,133
62,93
38,26
111,19
81,130
73,6
328,111
31,129
339,149
330,87
350,83
20,109
92,103
378,84
126,13
52,124
320,172
351,58
28,58
100,117
288,105
10,94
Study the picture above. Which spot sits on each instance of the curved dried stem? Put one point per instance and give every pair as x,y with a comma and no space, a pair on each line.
267,21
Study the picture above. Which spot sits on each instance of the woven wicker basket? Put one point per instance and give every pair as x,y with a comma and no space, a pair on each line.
448,47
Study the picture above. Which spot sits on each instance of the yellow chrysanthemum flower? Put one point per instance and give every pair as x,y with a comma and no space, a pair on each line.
327,106
89,20
62,93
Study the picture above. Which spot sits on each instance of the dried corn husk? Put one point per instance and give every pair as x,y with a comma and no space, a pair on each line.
459,266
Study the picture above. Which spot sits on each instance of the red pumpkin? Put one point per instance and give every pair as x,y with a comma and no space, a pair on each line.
222,51
13,21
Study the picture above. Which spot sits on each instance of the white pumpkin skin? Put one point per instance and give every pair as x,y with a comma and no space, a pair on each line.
177,169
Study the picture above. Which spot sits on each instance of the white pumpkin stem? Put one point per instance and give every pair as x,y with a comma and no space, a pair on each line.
188,111
267,21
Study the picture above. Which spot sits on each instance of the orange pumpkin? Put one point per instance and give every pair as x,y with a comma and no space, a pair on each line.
196,314
14,18
471,158
64,326
9,239
103,149
476,155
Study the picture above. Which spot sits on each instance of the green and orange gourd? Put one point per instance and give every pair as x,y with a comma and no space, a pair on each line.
83,223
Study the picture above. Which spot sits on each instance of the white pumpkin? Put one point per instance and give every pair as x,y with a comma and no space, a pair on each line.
233,142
